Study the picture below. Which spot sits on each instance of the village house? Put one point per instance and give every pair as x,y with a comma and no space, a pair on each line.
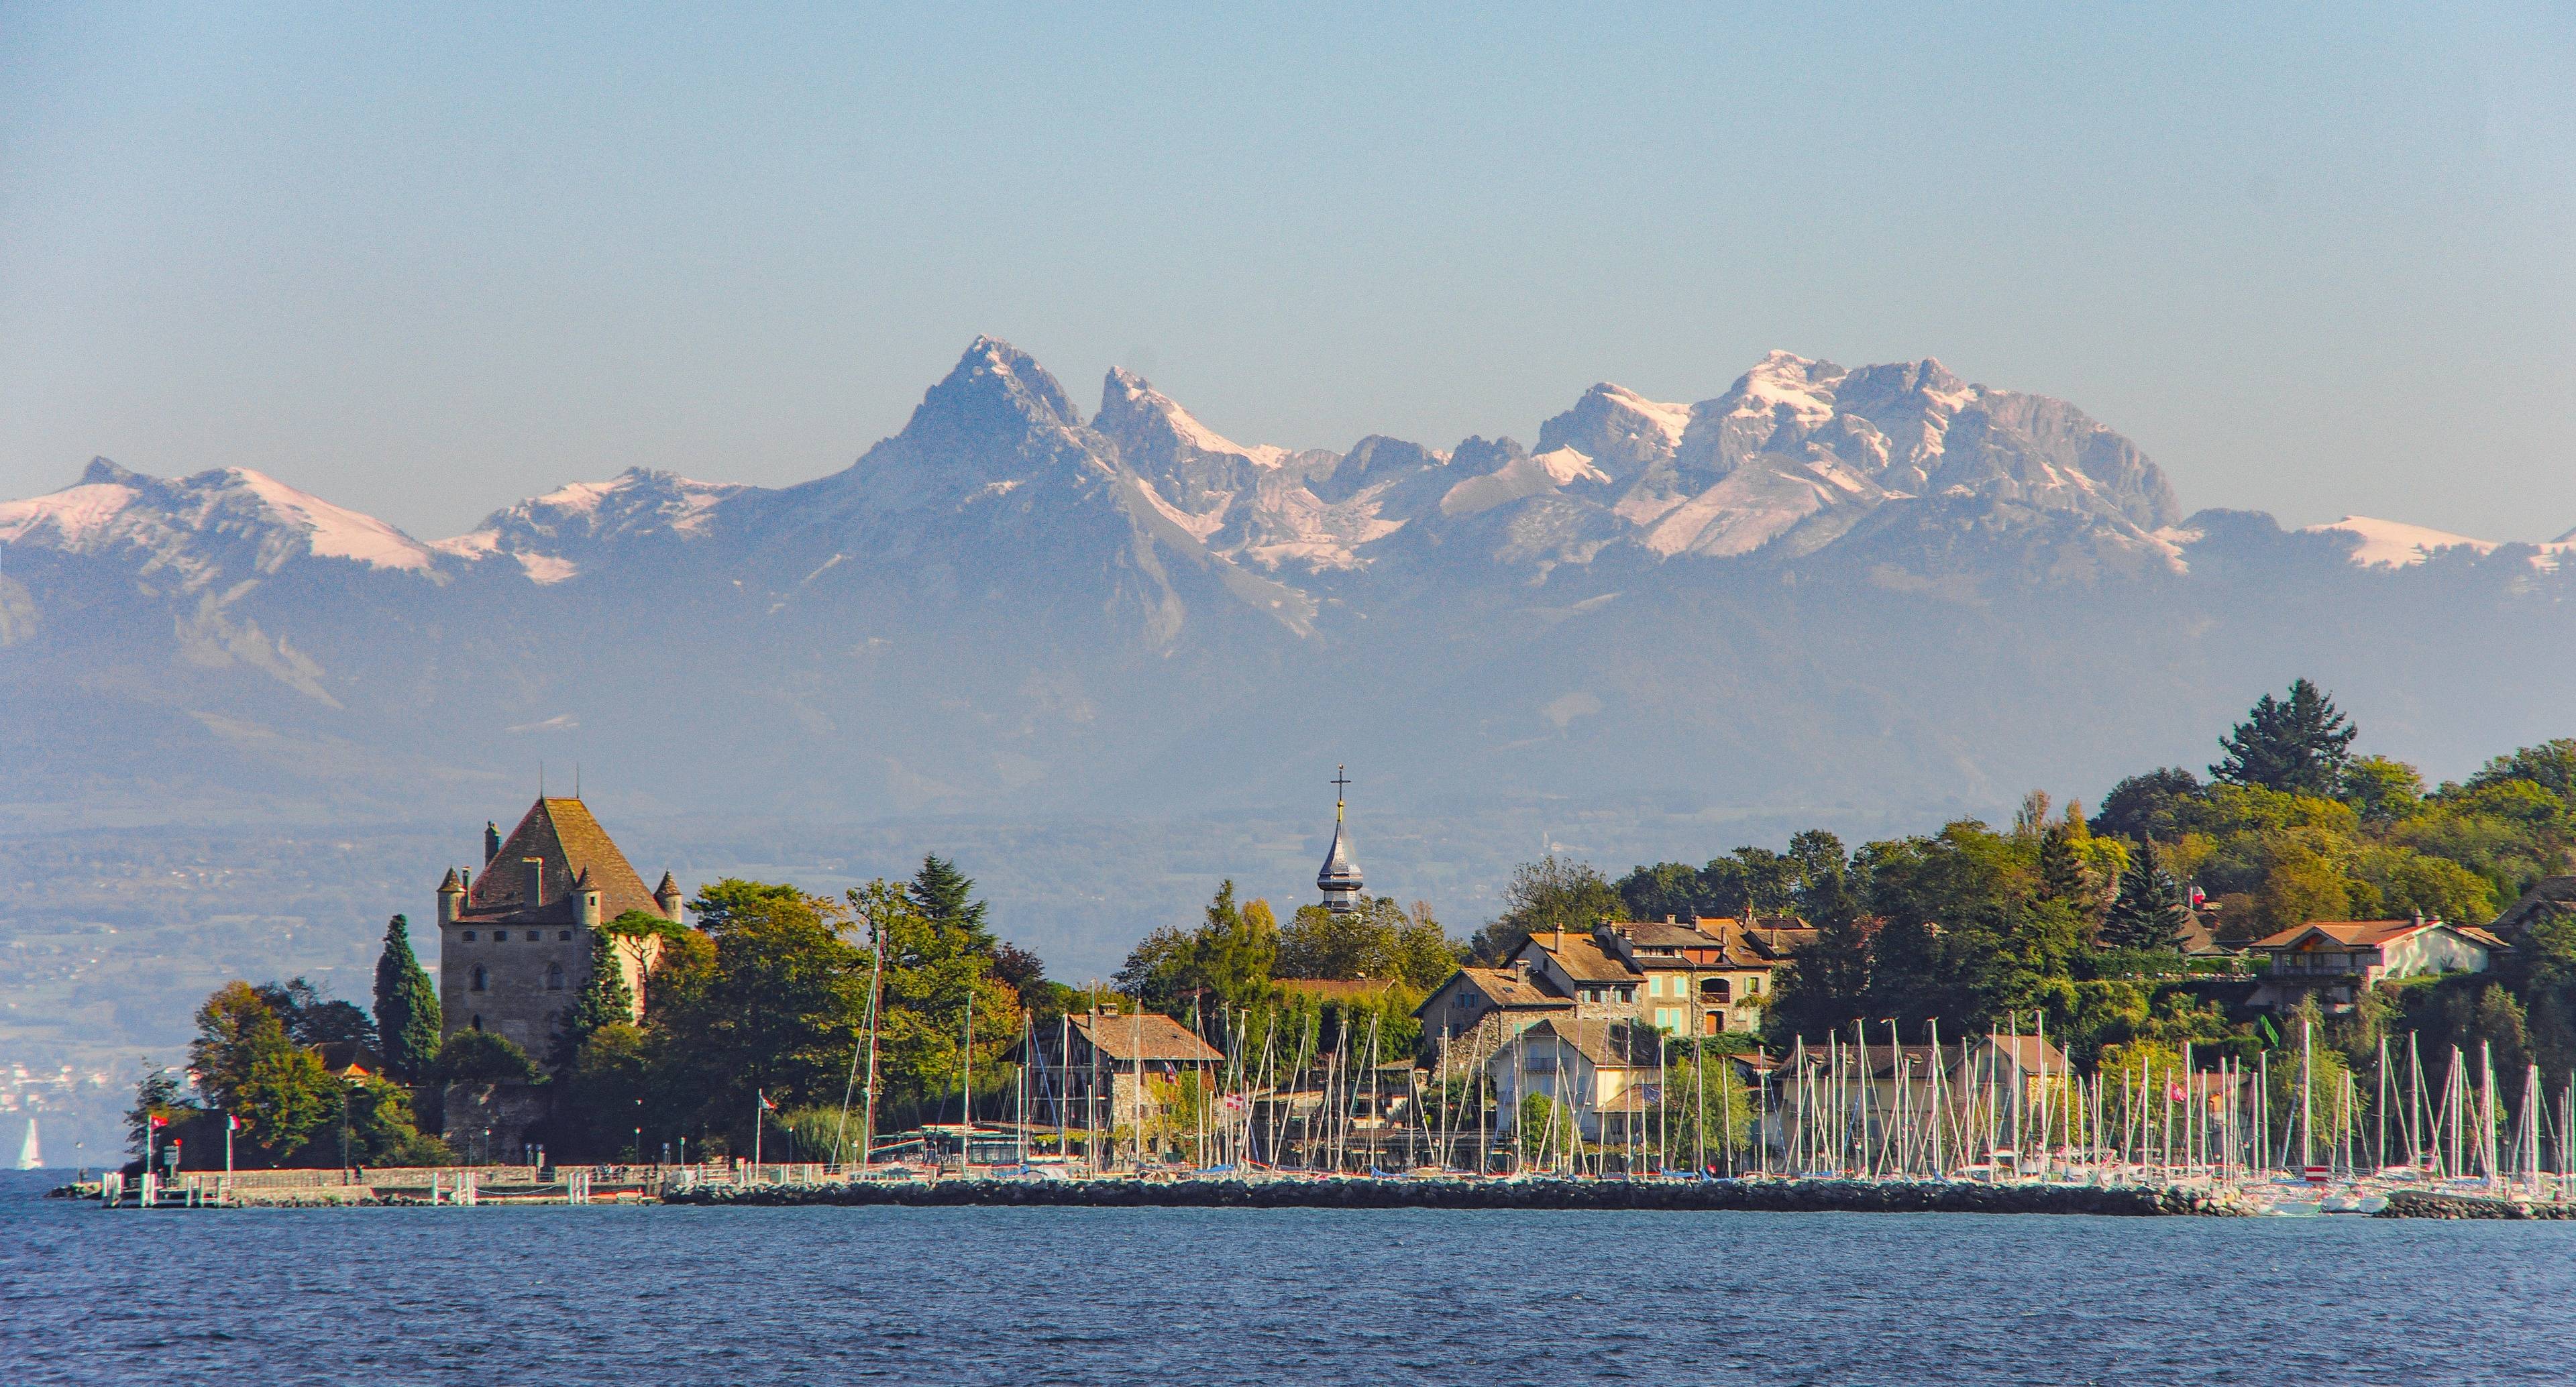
1485,1007
1583,968
2335,961
1101,1071
1602,1069
1704,978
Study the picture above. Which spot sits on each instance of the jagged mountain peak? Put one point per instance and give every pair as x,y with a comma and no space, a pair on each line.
995,383
1151,426
1620,430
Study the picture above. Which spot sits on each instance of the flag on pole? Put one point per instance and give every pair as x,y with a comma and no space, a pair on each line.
766,1105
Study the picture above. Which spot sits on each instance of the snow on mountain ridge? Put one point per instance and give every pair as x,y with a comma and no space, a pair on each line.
167,519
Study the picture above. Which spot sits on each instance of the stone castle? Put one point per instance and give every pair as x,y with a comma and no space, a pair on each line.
514,949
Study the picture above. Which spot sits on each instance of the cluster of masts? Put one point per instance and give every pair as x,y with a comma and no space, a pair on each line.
1993,1117
1848,1108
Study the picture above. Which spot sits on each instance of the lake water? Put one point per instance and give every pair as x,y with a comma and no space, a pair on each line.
664,1295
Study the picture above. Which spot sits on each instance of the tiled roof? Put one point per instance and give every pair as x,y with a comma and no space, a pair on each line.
1764,939
1583,958
2549,896
1509,987
1150,1036
1610,1044
1661,934
562,834
2352,934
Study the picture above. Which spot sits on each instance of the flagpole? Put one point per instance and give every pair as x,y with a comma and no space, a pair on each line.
759,1105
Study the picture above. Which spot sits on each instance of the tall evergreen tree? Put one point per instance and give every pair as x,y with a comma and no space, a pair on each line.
2296,745
605,1000
2149,913
947,897
2062,876
407,1019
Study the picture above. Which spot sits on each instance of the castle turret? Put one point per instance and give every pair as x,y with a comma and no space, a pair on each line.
585,901
451,898
1340,878
667,896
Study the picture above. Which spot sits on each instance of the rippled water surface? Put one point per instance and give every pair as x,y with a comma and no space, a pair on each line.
655,1295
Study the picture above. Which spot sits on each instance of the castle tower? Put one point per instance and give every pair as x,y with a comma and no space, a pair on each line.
667,896
451,899
1339,879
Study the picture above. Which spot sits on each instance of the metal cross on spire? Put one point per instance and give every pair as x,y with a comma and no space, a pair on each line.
1338,781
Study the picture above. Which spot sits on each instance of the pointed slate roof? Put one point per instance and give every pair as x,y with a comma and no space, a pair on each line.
562,834
1339,878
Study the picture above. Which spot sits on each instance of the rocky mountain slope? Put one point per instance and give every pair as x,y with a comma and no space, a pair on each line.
1878,588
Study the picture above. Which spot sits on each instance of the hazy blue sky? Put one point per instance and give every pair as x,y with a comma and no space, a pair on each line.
2313,260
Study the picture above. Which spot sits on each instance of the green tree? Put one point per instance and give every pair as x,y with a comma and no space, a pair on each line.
1381,940
2299,744
2382,790
407,1017
313,1017
2550,765
158,1095
1827,982
775,1007
2063,873
2148,913
946,897
483,1057
1552,893
605,999
933,975
2148,806
284,1098
235,1029
1230,957
608,1094
383,1131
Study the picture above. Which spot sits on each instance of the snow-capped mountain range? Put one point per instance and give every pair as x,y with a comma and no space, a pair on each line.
1788,460
1883,584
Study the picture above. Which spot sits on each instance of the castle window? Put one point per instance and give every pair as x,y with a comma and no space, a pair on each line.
563,934
554,977
469,936
476,984
500,936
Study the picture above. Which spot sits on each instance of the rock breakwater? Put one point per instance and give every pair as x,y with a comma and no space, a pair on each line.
1780,1196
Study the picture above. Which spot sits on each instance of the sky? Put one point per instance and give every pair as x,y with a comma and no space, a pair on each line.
426,261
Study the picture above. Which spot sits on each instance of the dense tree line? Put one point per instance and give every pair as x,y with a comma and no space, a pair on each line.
2076,921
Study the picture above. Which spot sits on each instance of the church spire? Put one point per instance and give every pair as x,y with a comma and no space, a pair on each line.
1339,879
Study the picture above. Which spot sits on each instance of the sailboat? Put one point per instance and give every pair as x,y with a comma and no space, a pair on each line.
30,1155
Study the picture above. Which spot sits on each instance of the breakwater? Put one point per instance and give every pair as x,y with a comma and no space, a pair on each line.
1773,1196
2427,1204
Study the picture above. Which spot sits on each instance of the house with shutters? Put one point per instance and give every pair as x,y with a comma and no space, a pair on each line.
2335,961
1707,977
